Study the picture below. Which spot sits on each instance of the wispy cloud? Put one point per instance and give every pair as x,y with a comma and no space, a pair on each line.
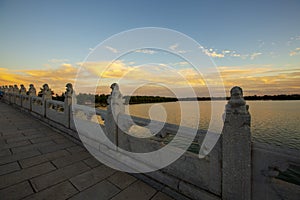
293,40
295,52
111,49
215,53
212,53
255,55
145,51
175,48
226,51
181,64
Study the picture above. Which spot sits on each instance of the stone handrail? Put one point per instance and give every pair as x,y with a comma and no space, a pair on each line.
37,100
55,105
236,168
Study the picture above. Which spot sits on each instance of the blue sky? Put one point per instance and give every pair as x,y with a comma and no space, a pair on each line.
247,35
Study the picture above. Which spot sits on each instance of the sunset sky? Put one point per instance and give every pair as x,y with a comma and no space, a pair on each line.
254,44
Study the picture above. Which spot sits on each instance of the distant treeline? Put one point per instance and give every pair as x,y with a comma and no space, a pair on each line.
102,98
251,98
149,99
90,98
274,97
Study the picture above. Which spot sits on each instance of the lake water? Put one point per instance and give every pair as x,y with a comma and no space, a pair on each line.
273,122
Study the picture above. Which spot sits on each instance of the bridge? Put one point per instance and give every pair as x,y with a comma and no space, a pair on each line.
44,157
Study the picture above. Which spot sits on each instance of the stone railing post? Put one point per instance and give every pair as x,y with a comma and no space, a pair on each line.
10,94
68,103
6,95
113,125
22,93
15,93
31,93
236,149
2,92
47,95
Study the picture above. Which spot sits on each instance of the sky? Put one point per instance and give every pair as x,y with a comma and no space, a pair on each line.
254,44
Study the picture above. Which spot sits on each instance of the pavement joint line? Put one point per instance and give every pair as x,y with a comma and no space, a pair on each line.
32,176
17,154
129,185
46,188
75,186
116,193
18,161
18,146
154,195
35,191
95,182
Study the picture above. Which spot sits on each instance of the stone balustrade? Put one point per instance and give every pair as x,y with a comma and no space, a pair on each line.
236,168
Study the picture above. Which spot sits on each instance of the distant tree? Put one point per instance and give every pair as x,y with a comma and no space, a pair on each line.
59,97
40,93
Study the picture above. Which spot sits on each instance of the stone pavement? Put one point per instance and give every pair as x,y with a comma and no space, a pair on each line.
36,162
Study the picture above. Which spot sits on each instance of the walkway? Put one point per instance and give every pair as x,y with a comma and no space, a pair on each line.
37,162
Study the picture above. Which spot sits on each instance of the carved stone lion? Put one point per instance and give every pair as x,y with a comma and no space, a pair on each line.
32,90
16,89
69,90
23,90
69,93
115,100
6,89
47,94
236,103
10,89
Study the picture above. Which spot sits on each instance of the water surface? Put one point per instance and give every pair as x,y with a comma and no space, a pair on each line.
273,122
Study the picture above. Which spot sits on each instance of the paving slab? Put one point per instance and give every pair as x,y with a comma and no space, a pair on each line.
138,190
122,180
67,160
31,147
92,162
25,174
161,196
20,137
101,191
8,168
15,144
49,179
56,147
11,135
92,177
28,162
18,156
5,152
17,191
60,191
76,149
45,139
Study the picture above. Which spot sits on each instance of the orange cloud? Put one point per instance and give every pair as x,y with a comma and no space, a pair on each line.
254,80
262,81
56,78
295,52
